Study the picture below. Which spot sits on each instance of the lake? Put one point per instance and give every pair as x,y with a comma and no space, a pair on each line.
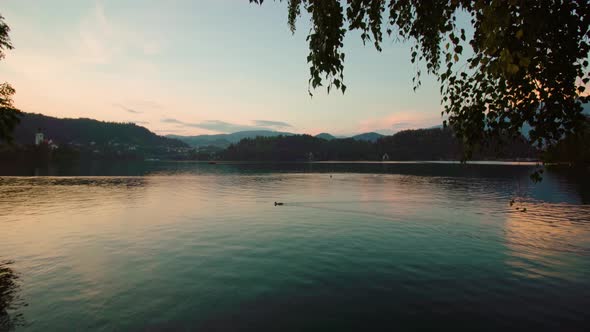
360,246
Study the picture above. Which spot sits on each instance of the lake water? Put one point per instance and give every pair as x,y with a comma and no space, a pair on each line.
185,246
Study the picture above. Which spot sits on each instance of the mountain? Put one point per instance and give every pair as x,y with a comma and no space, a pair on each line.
224,140
420,144
369,137
84,132
326,136
220,140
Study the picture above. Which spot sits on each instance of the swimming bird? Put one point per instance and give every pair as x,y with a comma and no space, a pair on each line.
279,204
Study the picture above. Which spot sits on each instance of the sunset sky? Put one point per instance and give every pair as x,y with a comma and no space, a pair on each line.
199,67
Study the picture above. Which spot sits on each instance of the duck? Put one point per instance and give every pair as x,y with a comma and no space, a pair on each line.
279,203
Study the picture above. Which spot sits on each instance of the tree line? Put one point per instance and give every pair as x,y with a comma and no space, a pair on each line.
85,131
421,144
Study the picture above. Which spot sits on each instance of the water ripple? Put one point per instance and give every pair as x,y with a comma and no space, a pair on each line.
209,250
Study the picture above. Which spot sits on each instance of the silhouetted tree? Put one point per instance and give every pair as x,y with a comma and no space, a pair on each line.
422,144
574,148
8,113
526,63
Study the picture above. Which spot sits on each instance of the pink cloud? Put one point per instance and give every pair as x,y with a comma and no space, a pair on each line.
399,121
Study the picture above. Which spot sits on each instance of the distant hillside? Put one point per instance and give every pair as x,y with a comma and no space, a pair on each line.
369,137
224,140
326,136
85,131
422,144
219,141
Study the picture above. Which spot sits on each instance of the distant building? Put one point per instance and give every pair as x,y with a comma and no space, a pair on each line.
52,144
39,138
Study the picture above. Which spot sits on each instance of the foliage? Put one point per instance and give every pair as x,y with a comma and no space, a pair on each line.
575,148
86,139
224,140
8,113
515,62
442,144
422,144
5,43
85,131
9,116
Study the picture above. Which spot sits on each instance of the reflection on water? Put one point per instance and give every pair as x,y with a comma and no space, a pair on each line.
10,300
191,246
542,239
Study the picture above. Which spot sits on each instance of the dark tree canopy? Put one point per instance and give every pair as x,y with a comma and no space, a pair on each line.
5,43
8,114
421,144
519,62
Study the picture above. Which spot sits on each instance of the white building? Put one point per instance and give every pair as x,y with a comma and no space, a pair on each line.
52,145
39,138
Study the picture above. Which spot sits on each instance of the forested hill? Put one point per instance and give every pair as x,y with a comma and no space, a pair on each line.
422,144
87,131
224,140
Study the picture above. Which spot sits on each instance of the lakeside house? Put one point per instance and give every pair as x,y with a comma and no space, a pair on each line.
39,137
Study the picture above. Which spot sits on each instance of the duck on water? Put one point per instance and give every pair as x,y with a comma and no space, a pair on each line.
279,203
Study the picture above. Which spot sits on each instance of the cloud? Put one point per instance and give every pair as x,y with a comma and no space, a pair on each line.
127,109
151,47
97,37
171,120
401,125
226,127
172,131
275,124
399,121
104,40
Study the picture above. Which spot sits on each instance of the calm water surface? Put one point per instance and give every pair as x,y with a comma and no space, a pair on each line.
182,246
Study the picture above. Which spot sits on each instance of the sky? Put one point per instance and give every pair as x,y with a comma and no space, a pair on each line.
190,67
